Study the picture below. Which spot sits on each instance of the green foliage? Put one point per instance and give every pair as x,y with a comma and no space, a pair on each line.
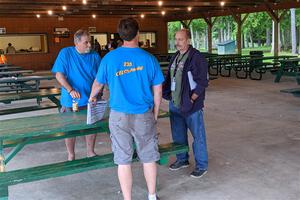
199,25
256,24
173,27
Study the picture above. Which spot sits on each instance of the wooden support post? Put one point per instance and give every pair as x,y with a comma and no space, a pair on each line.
238,19
210,24
209,37
239,36
276,19
186,23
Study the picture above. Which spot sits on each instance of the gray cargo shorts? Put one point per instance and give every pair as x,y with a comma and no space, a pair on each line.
140,128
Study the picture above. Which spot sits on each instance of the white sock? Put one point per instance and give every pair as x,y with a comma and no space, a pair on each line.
152,196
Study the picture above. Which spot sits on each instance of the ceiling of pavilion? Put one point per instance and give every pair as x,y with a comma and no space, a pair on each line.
172,9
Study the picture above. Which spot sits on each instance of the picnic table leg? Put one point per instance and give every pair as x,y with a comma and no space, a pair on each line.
279,74
163,160
37,85
298,78
55,101
38,100
297,72
3,189
2,157
14,151
4,193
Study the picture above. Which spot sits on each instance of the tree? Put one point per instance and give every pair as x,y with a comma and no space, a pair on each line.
173,27
198,30
293,30
255,28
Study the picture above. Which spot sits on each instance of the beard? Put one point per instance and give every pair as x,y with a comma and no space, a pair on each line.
88,50
177,46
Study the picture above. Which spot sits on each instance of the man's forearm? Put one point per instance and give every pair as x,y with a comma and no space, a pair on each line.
96,88
63,81
157,93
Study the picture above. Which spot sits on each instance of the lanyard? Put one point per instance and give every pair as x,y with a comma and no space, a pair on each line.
177,62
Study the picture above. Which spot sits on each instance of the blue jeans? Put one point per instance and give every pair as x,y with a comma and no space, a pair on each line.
195,123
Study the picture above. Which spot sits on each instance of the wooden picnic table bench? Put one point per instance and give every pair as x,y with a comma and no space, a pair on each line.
15,73
51,94
9,68
5,65
164,67
17,133
29,83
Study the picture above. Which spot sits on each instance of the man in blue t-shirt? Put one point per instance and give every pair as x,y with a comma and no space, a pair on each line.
135,81
75,69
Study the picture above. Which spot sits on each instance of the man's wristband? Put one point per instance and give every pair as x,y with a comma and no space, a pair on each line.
70,91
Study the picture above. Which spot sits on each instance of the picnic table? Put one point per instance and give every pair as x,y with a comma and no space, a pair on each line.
15,73
244,65
9,68
288,67
17,133
164,66
222,64
23,83
51,94
5,65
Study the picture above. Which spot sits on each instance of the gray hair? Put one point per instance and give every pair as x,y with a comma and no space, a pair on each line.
79,34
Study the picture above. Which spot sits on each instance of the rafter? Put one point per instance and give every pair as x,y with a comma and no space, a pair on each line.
175,9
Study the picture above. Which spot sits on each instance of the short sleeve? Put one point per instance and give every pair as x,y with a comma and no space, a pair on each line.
158,77
102,72
60,63
98,60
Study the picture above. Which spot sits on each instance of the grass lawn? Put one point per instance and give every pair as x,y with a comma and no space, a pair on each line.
246,51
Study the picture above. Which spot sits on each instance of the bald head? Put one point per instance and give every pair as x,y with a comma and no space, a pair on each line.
186,32
182,40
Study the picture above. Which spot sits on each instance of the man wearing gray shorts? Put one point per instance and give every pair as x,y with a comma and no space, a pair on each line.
75,69
135,81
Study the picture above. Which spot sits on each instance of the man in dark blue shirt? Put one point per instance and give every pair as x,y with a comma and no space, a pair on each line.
185,89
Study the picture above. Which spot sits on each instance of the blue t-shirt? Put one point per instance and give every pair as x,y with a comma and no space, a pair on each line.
80,71
130,74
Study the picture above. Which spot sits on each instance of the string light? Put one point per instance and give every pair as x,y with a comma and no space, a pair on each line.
189,9
142,15
222,3
94,16
160,3
64,7
50,12
163,12
38,15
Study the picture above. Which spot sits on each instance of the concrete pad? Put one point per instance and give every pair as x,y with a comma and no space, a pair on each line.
253,138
